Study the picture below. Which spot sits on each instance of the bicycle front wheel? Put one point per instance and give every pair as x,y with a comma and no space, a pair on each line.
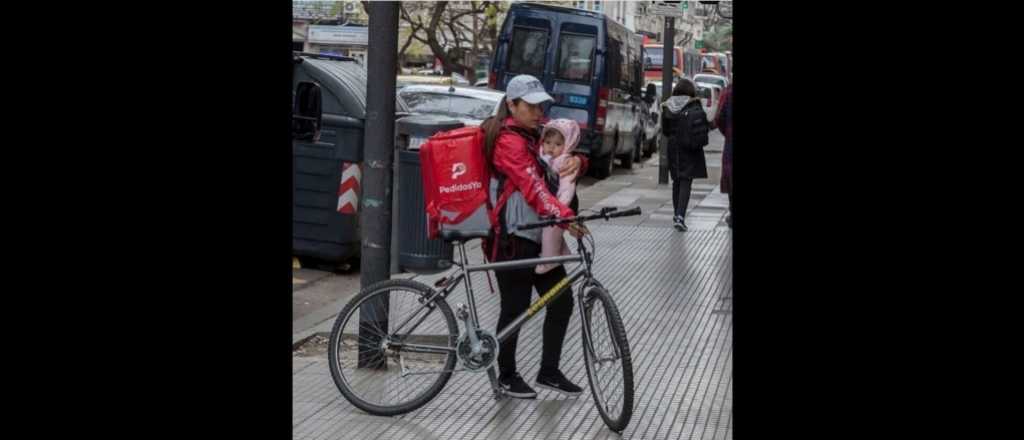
606,351
392,351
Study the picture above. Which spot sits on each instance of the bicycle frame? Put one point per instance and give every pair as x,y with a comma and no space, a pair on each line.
474,348
466,269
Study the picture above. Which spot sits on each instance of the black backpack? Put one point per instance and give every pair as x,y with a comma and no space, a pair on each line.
694,127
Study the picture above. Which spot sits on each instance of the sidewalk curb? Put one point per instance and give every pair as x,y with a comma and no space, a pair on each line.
323,317
296,343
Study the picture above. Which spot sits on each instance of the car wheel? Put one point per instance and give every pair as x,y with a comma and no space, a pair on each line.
602,167
627,159
654,144
649,146
638,150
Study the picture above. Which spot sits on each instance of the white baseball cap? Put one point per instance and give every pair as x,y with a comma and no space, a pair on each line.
528,88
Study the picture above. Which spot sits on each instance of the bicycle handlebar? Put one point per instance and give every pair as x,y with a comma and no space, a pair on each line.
605,213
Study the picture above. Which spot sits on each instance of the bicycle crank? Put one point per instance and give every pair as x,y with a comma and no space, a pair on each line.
480,356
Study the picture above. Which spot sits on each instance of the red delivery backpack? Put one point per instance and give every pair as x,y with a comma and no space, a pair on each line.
456,184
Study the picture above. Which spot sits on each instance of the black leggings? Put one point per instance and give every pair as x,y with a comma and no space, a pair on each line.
681,194
516,292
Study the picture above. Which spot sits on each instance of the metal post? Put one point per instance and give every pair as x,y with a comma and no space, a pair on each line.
378,154
394,268
668,45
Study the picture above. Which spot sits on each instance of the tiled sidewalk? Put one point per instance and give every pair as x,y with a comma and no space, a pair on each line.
674,291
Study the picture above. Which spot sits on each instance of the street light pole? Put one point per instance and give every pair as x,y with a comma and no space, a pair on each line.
378,157
668,55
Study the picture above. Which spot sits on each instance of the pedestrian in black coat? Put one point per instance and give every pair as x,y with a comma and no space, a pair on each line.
684,163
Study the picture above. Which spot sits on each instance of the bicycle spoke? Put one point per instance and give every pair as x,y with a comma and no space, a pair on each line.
608,377
375,375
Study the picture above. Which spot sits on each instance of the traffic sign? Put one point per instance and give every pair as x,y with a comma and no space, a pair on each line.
662,9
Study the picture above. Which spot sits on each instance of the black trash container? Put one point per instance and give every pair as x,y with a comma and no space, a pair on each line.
327,172
416,252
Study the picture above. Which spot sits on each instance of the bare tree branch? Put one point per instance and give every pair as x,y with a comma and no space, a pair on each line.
413,29
439,27
455,35
685,39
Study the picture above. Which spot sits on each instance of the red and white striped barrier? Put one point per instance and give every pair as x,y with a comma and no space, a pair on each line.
348,192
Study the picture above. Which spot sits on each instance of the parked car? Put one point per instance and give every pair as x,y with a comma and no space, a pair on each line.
720,80
652,127
470,105
481,83
453,79
590,64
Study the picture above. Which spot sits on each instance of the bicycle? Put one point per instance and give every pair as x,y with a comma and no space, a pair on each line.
424,354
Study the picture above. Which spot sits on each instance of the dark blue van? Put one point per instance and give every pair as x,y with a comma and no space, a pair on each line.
590,64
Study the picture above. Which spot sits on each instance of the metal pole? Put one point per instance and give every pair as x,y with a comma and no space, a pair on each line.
668,44
394,268
378,154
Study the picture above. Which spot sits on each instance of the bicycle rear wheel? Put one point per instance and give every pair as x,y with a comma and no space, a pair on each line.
606,351
388,353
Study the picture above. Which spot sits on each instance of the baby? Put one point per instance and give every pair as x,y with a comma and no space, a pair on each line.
559,138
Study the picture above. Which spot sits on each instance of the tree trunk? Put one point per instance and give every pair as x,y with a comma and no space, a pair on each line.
449,62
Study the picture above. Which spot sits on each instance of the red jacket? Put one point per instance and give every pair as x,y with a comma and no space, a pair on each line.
514,156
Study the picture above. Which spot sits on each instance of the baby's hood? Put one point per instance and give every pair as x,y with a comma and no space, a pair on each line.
569,129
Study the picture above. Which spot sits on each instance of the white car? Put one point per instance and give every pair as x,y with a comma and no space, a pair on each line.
652,125
481,83
470,105
720,80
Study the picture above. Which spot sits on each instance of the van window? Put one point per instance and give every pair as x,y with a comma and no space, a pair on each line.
579,115
634,64
613,63
575,56
529,47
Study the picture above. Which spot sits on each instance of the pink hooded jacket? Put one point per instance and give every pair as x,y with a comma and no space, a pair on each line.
552,243
570,131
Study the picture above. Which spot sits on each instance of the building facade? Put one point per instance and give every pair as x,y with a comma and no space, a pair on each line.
330,27
624,12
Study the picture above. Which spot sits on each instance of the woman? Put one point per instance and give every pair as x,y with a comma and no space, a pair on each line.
512,150
685,162
724,123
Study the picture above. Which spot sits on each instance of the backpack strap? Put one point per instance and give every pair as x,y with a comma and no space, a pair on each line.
497,219
504,192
